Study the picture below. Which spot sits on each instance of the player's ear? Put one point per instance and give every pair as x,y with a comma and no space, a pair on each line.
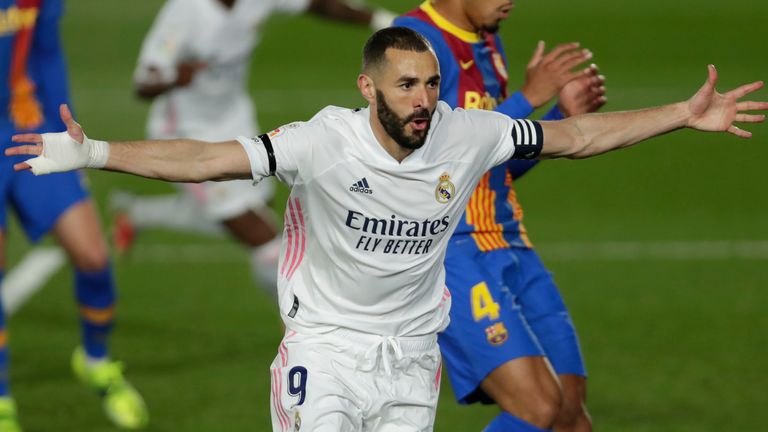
367,88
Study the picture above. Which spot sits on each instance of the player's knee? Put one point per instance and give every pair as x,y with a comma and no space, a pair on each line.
573,419
91,259
539,408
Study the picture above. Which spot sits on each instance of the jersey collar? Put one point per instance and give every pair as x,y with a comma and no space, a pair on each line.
448,26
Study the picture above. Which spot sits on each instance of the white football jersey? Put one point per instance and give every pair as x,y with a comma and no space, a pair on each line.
215,106
365,235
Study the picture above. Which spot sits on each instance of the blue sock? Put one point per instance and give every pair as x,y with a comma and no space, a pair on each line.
3,349
95,291
506,422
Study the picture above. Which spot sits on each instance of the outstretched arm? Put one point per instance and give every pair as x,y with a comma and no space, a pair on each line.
180,160
593,134
342,10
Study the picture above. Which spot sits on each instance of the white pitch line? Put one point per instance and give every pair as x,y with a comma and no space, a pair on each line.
29,276
200,253
656,250
34,270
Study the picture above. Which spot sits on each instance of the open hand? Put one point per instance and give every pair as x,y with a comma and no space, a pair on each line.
547,74
716,112
58,152
583,95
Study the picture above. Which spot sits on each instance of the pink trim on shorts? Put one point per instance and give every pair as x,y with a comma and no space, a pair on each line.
296,243
446,296
280,390
437,376
284,423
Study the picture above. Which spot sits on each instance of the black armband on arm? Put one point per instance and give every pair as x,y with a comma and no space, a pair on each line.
528,137
270,153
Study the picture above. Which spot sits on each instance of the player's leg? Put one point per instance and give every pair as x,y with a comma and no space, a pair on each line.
181,211
244,211
255,229
4,378
8,418
65,209
573,415
490,353
525,389
77,230
309,391
407,403
550,321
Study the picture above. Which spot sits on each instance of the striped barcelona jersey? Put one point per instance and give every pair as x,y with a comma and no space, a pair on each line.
31,66
474,76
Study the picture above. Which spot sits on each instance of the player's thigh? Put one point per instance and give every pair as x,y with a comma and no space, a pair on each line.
39,201
309,390
525,386
545,312
78,231
410,402
487,328
573,414
252,228
405,418
225,200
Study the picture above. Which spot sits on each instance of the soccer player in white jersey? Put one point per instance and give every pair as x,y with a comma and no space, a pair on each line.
375,196
193,64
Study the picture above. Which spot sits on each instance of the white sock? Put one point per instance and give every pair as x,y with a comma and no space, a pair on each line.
176,212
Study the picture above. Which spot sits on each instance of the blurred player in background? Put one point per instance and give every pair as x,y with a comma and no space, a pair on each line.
35,83
194,65
507,318
362,282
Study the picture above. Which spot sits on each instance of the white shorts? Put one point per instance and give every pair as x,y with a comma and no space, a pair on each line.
220,201
349,382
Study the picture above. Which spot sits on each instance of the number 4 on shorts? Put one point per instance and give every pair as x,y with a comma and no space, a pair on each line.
482,303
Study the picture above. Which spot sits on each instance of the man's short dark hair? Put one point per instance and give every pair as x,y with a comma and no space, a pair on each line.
400,38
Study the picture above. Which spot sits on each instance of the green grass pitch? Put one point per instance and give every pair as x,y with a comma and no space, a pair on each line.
672,318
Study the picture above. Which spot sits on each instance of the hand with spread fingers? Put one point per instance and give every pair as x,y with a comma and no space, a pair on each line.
715,112
547,74
583,95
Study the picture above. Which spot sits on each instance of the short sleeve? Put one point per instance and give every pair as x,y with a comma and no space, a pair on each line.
515,139
163,47
285,153
291,6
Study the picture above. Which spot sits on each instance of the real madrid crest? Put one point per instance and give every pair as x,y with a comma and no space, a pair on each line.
445,189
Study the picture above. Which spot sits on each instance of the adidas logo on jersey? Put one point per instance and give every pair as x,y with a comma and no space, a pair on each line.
361,186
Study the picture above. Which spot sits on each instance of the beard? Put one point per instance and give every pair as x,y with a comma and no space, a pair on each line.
490,28
395,126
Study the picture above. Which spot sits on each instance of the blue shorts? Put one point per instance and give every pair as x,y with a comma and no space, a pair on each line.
38,201
505,305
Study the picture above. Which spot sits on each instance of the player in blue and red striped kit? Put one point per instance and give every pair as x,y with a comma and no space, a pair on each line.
508,322
33,73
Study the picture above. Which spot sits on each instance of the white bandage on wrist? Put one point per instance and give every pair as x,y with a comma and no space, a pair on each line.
62,153
381,19
98,154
